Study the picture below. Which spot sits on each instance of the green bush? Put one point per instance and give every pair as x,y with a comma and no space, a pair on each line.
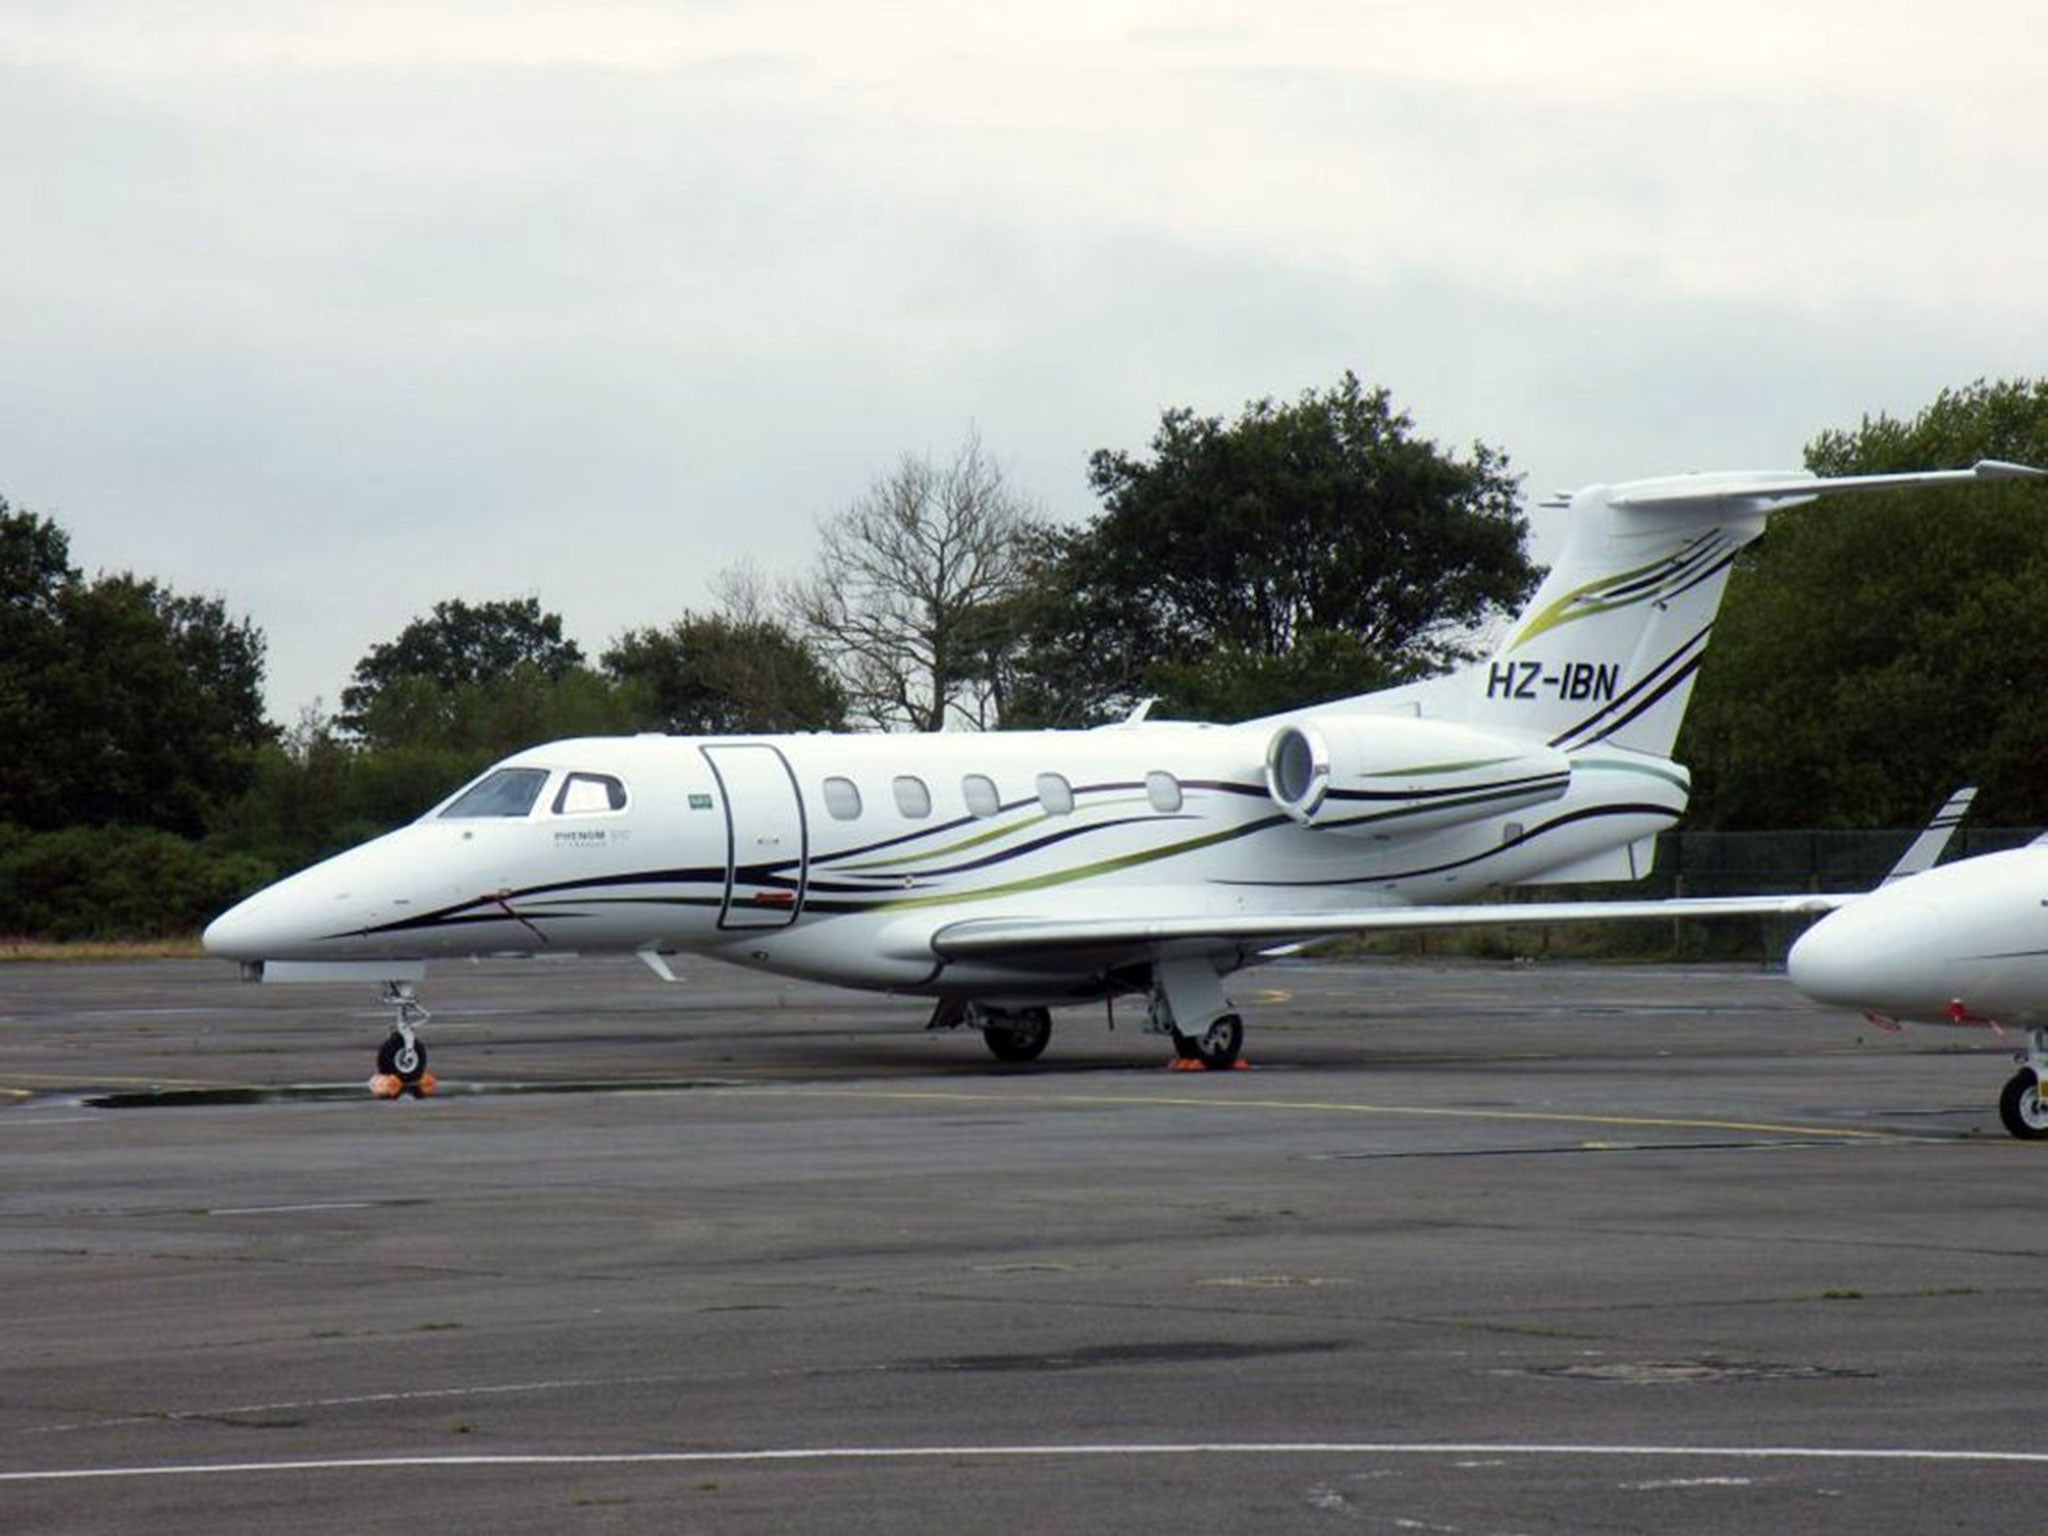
117,883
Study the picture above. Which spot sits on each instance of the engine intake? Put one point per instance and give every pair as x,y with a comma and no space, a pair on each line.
1368,775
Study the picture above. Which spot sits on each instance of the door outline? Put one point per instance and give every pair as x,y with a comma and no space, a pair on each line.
752,777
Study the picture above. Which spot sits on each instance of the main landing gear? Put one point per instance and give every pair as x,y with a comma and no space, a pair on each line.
2023,1106
1189,1004
1012,1034
1218,1048
1019,1036
402,1058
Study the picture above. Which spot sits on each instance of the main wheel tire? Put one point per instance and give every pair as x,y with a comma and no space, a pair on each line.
1218,1049
1020,1036
395,1059
2021,1108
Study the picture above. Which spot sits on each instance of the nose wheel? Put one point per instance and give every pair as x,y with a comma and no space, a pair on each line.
402,1058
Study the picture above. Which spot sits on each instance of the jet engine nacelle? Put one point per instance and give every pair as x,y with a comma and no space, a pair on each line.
1367,774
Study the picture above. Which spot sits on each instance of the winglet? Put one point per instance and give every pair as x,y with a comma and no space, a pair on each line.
1925,849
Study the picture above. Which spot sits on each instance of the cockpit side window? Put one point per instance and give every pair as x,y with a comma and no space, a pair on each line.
504,792
582,794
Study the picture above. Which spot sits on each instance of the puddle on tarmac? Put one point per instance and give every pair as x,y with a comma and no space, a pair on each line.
348,1093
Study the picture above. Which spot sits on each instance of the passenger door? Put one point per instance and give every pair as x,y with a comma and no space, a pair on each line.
766,837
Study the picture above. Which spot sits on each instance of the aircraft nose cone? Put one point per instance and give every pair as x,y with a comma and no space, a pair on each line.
244,932
1872,956
286,921
1824,964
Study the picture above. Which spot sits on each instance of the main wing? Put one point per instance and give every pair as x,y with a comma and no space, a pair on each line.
1034,939
1041,941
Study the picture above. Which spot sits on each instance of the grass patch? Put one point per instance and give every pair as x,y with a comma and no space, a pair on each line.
101,949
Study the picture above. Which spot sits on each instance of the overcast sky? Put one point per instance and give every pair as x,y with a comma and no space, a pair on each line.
338,310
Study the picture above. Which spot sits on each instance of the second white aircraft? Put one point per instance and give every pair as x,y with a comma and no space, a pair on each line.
1963,945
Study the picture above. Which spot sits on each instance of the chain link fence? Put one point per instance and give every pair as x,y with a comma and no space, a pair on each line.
1708,864
1741,863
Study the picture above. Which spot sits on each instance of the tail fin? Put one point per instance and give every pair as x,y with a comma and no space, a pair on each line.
1607,649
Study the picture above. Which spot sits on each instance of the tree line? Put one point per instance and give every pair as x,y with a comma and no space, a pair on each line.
1868,657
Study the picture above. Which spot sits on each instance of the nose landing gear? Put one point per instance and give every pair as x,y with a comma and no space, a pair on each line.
402,1058
2023,1106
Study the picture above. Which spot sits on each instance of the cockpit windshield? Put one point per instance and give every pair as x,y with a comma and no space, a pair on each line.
505,792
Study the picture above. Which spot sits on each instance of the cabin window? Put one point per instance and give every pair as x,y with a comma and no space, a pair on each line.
1163,790
582,794
979,790
842,799
913,799
502,792
1055,794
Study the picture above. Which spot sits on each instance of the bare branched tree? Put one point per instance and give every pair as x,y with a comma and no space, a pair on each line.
909,598
744,593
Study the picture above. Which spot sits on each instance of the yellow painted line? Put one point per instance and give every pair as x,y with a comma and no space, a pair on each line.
1331,1107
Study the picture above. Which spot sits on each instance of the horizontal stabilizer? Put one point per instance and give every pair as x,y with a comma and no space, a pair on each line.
1772,489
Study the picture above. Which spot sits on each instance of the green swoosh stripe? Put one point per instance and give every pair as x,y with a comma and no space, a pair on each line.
1607,764
1084,871
1563,611
1433,768
994,834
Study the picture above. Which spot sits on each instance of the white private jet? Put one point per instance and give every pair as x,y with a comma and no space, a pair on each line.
1001,874
1962,945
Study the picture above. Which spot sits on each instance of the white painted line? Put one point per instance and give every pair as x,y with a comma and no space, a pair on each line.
278,1210
1293,1449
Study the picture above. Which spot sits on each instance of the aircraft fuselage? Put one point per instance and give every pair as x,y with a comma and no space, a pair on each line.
837,856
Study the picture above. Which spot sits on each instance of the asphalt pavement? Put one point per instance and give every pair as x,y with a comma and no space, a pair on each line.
1469,1247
